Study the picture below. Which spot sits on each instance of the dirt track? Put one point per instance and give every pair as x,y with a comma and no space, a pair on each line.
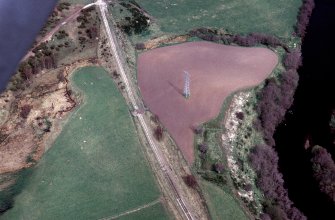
216,71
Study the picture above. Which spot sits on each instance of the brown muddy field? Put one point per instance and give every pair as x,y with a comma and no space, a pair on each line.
215,71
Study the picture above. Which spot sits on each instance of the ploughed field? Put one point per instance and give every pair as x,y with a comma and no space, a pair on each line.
215,72
96,168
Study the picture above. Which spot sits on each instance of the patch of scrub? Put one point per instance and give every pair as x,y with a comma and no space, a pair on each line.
96,167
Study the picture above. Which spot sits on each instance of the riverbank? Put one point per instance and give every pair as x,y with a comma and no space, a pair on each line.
308,119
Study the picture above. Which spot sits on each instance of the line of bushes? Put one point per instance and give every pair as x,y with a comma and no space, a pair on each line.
303,17
324,171
254,39
264,160
277,205
63,6
34,65
275,99
250,40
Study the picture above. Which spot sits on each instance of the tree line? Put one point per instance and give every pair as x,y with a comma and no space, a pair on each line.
303,17
324,171
34,65
275,99
264,161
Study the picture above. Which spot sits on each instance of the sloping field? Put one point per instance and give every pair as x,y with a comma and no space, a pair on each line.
95,168
239,16
216,71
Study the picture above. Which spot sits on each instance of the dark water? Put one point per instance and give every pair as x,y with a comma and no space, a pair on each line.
7,195
310,115
20,22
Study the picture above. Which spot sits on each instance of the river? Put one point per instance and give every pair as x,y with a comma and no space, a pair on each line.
20,22
310,114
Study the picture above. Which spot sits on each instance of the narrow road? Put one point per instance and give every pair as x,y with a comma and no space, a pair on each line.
168,173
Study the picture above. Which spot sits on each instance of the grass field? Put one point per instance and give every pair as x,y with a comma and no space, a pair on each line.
221,205
239,16
95,168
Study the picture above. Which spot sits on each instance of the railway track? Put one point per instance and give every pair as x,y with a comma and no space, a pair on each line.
165,167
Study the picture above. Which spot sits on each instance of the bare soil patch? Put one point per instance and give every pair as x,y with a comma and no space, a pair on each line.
216,71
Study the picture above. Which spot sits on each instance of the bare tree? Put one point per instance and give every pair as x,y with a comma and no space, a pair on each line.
25,110
190,181
219,167
158,133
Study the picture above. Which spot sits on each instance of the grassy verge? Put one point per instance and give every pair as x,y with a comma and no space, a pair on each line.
221,204
96,167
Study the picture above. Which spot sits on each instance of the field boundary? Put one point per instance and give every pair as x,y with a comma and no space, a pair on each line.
139,208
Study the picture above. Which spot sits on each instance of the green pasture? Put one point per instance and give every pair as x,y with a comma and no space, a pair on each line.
221,205
238,16
96,167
